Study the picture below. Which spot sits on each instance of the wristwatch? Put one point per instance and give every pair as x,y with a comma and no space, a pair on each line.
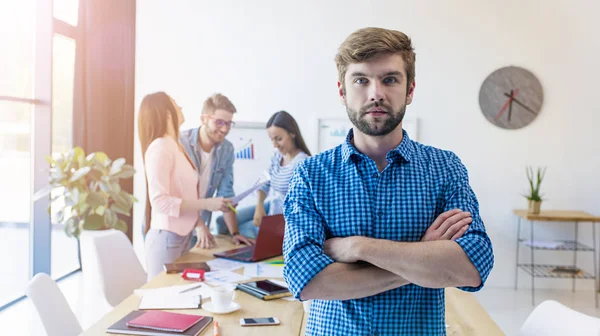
235,233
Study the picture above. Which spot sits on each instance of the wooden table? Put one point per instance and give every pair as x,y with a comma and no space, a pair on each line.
536,270
464,315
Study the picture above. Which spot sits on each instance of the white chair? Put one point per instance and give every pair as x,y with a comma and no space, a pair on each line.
52,307
118,267
551,318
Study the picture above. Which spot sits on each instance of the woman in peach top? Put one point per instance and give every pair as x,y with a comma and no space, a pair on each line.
172,203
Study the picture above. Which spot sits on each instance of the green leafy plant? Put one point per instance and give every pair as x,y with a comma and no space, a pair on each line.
87,194
535,180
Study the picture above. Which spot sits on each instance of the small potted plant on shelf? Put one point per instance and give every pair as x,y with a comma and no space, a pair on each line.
86,191
534,197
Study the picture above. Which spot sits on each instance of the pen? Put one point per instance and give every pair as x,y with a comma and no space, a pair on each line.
232,208
216,329
190,289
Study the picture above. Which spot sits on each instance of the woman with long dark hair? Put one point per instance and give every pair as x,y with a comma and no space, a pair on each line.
286,137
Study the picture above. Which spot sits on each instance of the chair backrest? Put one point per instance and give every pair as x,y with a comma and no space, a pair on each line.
118,266
551,318
52,307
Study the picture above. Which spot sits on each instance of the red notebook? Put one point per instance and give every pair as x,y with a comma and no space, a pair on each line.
164,321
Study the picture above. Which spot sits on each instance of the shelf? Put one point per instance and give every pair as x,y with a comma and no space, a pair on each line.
567,245
545,271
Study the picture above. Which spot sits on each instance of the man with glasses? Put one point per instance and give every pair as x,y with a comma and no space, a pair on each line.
214,156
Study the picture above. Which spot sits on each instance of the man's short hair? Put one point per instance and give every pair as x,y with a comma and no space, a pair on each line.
367,43
217,102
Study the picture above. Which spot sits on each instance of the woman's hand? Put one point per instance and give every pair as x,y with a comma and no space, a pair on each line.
216,204
205,239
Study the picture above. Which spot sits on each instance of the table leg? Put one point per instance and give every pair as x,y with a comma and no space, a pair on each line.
595,265
532,268
518,243
575,252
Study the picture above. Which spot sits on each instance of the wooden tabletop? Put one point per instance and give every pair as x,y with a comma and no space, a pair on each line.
464,315
290,313
558,216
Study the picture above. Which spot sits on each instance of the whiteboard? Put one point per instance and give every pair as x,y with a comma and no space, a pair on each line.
253,151
332,132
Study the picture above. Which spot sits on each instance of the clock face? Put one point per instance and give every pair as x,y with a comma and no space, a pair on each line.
511,97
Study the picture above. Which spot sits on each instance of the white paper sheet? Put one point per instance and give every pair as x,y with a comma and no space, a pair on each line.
223,277
220,264
261,270
237,198
165,301
196,289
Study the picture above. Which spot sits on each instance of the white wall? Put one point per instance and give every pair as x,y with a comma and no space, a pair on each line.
272,55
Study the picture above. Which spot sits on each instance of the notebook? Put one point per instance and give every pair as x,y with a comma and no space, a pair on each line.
121,327
170,301
164,321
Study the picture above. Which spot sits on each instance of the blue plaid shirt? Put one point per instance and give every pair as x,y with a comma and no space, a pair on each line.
340,193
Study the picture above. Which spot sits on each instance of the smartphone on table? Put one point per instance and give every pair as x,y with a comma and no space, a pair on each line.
259,321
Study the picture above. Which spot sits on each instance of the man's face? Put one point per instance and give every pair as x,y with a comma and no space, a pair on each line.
218,124
376,94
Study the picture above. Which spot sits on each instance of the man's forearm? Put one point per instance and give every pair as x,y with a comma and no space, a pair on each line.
340,281
231,221
433,264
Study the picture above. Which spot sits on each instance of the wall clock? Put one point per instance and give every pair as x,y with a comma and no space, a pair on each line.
511,97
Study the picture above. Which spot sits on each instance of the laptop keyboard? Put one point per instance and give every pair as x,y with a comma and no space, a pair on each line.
244,255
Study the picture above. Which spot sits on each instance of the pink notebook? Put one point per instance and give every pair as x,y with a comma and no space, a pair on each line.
164,321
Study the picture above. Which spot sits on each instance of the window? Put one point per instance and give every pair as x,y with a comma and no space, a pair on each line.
15,202
65,250
66,10
17,42
28,117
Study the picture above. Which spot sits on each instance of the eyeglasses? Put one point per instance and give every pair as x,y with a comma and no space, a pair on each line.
222,123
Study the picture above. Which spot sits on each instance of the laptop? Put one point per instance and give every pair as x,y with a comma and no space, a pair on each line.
269,242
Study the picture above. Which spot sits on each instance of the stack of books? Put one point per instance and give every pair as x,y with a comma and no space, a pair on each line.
160,323
264,289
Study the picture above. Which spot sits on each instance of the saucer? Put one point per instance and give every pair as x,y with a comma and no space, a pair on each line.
208,306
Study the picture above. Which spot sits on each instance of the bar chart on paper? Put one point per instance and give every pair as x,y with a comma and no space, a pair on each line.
246,152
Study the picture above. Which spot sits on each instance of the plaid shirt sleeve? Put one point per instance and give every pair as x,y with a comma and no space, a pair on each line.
475,242
304,234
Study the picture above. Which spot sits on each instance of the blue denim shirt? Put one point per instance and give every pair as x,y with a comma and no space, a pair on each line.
221,176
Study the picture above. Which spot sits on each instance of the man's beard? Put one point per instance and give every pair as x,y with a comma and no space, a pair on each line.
213,135
390,124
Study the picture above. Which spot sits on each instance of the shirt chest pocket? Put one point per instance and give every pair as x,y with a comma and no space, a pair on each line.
412,215
346,215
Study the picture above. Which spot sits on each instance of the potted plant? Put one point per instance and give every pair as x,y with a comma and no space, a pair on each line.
86,191
534,197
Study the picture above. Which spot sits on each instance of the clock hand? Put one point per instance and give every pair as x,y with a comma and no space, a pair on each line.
521,104
510,106
506,104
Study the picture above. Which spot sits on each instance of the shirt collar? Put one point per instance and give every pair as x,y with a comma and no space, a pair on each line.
404,150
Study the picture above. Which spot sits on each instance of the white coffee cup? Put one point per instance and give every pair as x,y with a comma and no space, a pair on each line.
222,296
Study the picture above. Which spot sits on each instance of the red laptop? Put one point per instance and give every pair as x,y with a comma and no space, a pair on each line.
269,242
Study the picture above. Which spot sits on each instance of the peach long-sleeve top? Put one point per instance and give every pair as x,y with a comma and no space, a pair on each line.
171,179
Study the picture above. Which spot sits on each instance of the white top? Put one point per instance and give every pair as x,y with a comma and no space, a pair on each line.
204,172
280,180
